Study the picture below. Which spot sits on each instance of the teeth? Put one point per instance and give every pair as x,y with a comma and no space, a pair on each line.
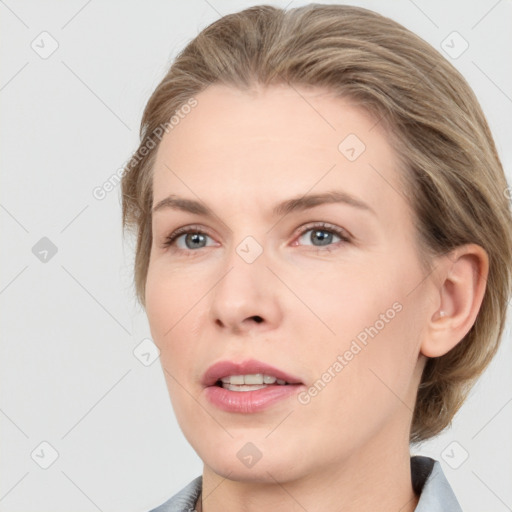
234,387
256,378
251,380
234,379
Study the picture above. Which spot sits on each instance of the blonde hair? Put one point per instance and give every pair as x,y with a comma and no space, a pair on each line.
453,176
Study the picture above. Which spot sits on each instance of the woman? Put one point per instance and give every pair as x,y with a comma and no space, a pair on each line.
323,252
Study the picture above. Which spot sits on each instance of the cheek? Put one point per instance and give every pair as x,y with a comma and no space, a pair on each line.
166,301
377,325
350,301
374,387
173,312
166,313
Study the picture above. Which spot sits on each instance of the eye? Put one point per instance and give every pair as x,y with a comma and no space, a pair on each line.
193,238
322,232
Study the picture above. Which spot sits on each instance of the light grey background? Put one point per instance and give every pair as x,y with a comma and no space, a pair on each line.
70,325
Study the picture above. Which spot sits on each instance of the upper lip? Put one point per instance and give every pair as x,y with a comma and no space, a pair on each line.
226,368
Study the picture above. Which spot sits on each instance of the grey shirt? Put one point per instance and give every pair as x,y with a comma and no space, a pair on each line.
428,482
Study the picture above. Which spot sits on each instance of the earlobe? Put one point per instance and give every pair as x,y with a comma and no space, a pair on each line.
461,291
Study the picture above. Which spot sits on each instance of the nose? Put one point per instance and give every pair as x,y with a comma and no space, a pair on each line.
246,296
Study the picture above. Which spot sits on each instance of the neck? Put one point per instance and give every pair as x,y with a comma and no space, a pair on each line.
377,477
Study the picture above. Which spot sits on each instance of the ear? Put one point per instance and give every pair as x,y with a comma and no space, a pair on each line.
459,293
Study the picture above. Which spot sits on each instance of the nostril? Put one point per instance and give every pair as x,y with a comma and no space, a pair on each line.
258,319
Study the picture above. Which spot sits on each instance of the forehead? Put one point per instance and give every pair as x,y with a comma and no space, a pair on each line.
271,143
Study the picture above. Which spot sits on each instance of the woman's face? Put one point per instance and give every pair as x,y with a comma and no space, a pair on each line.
339,308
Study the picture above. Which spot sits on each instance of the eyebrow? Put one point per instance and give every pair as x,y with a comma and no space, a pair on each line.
299,203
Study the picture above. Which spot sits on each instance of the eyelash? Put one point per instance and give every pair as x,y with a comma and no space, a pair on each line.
321,226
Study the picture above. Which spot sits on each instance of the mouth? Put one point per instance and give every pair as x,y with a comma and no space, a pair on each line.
247,373
249,386
250,382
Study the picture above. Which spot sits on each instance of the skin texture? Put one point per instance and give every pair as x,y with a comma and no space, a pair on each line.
240,153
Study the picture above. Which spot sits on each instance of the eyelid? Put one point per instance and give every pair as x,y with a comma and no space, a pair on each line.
320,225
192,228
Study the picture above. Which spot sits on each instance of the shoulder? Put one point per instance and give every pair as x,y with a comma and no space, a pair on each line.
430,483
184,500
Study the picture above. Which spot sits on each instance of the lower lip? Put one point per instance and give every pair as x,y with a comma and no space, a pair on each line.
250,401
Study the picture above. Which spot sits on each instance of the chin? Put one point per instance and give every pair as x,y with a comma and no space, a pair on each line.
267,474
235,463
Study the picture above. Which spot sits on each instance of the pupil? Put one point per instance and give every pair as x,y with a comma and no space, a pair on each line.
323,239
196,237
